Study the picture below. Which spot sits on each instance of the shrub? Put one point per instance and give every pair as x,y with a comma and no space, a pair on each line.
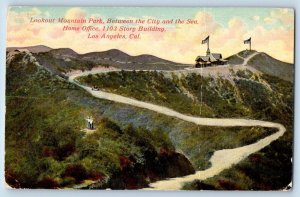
48,183
76,171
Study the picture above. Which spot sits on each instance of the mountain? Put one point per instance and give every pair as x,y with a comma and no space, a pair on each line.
64,52
33,49
120,57
63,60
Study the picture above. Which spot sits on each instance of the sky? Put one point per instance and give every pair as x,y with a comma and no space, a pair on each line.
271,30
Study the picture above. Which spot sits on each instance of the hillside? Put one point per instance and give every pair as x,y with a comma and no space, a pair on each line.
239,57
247,94
46,146
265,64
132,147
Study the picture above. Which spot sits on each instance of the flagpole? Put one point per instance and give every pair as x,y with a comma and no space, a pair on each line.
208,44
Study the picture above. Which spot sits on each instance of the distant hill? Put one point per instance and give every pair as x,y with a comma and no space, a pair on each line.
111,56
65,59
33,49
122,60
64,52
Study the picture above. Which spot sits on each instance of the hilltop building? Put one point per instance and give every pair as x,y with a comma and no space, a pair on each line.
210,59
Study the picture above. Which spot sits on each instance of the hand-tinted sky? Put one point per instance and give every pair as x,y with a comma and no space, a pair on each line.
271,29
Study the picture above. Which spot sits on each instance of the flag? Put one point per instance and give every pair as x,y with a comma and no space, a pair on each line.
206,40
248,41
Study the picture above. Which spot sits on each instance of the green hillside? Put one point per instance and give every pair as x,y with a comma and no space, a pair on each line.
46,146
250,95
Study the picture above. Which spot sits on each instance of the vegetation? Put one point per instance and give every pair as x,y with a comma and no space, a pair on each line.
270,168
200,142
47,148
248,97
256,96
63,64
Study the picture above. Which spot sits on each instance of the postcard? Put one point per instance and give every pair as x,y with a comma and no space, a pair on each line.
149,98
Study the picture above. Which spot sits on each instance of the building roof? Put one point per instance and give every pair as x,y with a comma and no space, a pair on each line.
217,56
213,57
202,58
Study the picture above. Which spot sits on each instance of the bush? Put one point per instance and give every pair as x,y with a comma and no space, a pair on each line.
48,183
68,181
76,171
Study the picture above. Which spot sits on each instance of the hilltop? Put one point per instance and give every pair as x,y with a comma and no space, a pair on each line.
33,49
265,64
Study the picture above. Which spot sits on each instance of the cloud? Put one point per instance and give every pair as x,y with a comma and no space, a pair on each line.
75,13
56,33
284,15
269,20
255,18
180,43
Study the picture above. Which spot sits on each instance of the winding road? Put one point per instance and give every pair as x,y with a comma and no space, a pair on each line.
220,160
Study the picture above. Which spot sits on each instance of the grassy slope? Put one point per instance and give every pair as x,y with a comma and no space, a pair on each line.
21,163
45,147
59,65
270,168
248,98
268,65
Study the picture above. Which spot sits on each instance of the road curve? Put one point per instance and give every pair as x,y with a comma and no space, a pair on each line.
220,160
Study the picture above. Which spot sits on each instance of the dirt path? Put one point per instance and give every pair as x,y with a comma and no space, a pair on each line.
246,60
221,159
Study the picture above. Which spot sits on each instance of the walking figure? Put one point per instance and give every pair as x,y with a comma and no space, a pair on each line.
90,123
